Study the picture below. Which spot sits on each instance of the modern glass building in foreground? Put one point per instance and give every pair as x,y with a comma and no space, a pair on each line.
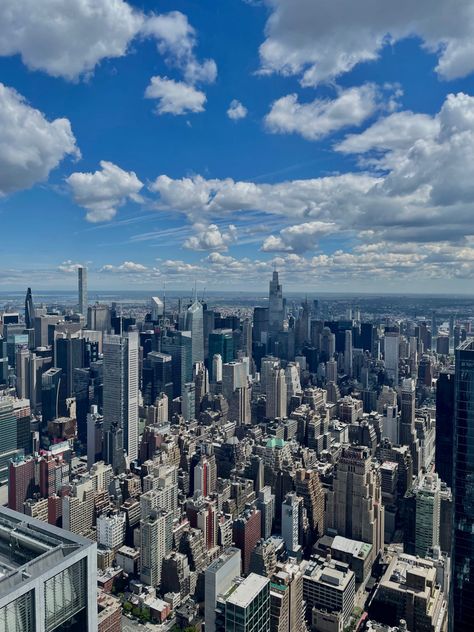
48,577
462,580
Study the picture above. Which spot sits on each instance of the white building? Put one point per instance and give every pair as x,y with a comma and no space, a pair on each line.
111,530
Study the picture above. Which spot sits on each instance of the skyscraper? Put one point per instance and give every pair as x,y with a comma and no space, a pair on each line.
82,289
462,580
445,426
355,505
290,521
195,324
275,306
121,389
391,354
276,392
29,310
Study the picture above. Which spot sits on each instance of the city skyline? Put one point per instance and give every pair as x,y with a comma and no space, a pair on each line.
195,145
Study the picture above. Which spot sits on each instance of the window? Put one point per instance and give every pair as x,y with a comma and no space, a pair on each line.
65,594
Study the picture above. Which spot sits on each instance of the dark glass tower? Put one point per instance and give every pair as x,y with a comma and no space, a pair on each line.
445,427
462,580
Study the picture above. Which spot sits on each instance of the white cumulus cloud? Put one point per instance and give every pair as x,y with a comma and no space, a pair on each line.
299,237
30,146
236,110
175,97
103,191
211,238
126,266
321,117
319,40
67,38
176,40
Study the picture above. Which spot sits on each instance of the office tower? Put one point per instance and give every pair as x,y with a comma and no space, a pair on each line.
29,310
410,590
331,371
98,318
247,337
327,344
276,406
157,377
178,344
157,308
308,486
275,305
355,504
286,599
329,586
291,510
188,401
462,580
3,362
8,424
292,377
427,492
155,543
69,355
348,353
216,370
246,606
50,383
121,393
221,342
391,354
194,324
266,505
445,426
50,582
82,290
247,532
260,324
218,578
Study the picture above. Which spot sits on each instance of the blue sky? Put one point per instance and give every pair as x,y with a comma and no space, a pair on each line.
181,141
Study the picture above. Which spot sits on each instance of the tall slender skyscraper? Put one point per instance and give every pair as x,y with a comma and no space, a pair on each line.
29,310
195,324
275,306
121,390
462,580
82,289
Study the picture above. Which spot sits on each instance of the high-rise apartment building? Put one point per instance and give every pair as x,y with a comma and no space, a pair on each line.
247,532
82,290
121,392
155,543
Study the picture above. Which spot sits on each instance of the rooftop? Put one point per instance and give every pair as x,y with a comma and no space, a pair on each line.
28,547
246,592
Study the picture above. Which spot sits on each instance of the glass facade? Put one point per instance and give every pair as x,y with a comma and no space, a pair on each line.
65,595
19,615
462,584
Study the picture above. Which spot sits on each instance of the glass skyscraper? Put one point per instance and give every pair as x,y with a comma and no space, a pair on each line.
462,581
